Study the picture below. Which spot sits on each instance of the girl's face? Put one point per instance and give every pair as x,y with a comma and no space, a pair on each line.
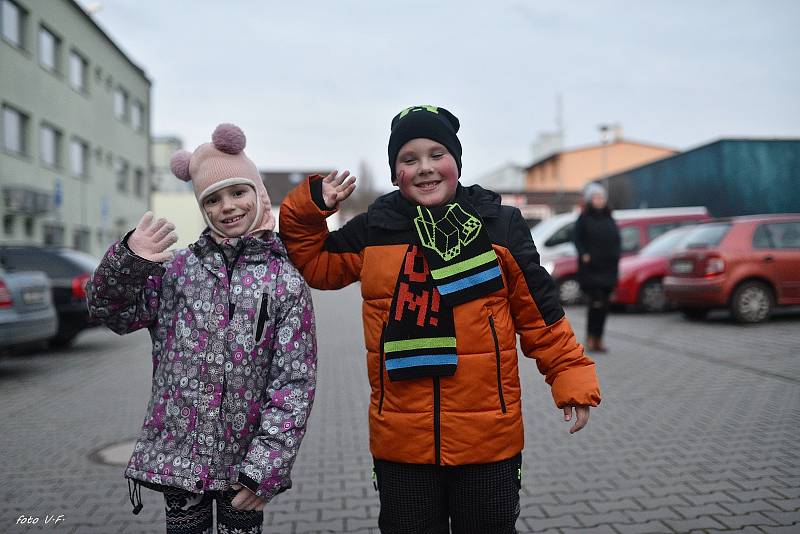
232,210
427,173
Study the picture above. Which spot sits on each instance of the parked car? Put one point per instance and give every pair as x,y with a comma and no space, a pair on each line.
747,264
68,270
636,228
641,276
27,313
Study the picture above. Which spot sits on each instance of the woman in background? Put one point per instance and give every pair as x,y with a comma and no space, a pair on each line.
598,242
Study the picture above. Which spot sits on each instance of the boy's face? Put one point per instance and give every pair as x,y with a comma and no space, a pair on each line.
427,173
232,209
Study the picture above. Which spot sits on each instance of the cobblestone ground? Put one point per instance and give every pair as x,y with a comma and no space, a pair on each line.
698,432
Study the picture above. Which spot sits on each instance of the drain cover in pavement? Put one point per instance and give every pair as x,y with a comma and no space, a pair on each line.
114,454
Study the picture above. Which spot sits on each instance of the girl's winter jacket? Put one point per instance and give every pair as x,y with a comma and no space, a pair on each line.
234,361
597,235
474,416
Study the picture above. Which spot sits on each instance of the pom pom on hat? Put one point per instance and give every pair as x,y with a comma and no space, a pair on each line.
179,164
229,138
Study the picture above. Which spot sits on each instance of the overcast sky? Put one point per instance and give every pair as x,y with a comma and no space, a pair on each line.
316,83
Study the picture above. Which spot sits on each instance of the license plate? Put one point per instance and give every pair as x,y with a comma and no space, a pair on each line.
33,297
682,267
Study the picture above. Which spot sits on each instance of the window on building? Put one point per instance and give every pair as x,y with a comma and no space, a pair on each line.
8,225
53,234
79,158
121,170
137,116
120,103
139,184
13,23
15,131
81,239
50,146
77,71
49,50
30,227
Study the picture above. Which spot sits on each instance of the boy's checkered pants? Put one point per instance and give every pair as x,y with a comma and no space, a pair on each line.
430,499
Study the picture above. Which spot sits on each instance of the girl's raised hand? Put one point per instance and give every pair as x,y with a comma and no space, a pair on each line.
151,239
337,187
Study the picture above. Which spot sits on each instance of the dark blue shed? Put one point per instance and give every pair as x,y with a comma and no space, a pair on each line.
730,177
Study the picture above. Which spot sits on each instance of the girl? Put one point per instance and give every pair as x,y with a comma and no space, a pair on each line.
234,348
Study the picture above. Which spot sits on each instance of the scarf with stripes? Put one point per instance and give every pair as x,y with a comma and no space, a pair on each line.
453,262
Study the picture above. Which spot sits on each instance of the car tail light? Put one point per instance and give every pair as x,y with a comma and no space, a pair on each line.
714,266
79,286
5,296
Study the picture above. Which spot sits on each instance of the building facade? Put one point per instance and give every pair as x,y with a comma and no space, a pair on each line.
75,147
571,170
729,177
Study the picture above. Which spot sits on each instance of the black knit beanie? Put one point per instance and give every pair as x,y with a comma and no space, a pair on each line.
429,122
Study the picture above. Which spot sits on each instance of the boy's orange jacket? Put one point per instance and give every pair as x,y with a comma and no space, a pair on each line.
474,416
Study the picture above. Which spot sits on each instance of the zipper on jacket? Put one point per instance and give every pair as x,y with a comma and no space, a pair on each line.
497,361
437,422
263,312
228,267
382,355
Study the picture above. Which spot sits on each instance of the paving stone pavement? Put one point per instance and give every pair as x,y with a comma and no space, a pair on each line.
698,432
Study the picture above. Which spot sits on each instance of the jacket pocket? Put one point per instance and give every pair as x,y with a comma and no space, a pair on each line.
381,357
261,316
497,363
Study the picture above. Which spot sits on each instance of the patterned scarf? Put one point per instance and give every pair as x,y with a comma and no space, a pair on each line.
453,263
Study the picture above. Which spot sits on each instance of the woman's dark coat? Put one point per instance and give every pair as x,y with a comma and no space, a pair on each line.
597,235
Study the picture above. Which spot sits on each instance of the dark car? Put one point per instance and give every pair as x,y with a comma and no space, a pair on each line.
747,264
68,270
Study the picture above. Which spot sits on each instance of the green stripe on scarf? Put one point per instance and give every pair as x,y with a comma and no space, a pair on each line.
420,343
465,265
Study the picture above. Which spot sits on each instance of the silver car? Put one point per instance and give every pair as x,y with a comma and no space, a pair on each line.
27,313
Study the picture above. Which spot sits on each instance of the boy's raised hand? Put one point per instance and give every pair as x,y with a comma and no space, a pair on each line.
151,239
581,417
337,187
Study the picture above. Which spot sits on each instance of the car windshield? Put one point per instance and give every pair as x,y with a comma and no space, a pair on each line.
665,243
542,231
82,259
706,235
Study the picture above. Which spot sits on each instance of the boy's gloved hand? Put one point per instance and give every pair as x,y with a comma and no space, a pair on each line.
151,239
337,187
246,499
581,417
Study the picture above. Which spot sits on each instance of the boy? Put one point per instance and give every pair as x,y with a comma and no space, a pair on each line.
448,277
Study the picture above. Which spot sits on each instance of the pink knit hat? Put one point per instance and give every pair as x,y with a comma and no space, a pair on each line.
219,164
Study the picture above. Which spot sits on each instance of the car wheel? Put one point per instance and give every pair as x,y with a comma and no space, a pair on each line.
569,291
752,302
652,297
695,314
63,340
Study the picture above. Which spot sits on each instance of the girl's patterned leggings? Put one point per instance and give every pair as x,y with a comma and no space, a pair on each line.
192,513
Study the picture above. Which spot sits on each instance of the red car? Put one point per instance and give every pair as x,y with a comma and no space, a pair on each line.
641,276
635,231
747,264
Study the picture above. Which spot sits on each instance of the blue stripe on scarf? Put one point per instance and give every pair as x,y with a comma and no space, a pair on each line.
470,281
416,361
